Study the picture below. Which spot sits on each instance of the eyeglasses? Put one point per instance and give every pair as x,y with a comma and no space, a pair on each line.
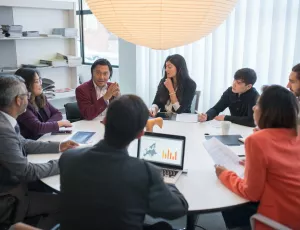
28,94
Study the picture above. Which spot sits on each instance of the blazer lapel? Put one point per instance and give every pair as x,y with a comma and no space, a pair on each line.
93,91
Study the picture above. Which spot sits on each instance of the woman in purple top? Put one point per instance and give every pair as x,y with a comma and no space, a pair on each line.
40,116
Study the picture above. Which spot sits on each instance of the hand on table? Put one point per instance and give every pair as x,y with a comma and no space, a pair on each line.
67,145
64,123
202,117
219,170
220,118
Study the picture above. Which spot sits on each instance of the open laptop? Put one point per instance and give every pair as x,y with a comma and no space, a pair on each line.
165,151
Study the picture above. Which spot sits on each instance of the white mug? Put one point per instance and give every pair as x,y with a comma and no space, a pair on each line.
225,127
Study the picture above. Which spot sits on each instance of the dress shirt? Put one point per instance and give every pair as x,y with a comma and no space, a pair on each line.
100,92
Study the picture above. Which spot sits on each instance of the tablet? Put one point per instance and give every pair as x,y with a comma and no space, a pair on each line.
82,137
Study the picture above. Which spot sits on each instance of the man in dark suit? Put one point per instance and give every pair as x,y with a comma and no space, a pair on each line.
17,201
94,96
102,187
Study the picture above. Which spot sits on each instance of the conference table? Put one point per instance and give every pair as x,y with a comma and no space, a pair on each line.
200,186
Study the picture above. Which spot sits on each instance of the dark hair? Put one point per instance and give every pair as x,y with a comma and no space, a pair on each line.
28,75
182,74
296,69
278,107
10,87
126,117
247,75
102,61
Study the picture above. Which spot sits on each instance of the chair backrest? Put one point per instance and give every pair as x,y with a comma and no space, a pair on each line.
195,101
72,112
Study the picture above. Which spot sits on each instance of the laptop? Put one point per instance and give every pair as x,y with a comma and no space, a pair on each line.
165,151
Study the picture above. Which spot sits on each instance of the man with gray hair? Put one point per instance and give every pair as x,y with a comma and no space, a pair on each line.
17,200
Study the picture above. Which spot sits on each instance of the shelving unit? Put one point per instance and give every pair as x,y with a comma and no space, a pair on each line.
42,16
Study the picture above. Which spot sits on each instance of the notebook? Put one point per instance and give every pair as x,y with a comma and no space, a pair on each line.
231,140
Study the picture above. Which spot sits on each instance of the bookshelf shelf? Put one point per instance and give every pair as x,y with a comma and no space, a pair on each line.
63,95
33,38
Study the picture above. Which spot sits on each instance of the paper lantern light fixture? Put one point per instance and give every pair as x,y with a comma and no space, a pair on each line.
161,24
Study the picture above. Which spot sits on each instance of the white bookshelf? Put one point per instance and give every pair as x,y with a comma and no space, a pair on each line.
42,16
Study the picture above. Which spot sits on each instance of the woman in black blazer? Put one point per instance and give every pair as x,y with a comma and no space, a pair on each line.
176,90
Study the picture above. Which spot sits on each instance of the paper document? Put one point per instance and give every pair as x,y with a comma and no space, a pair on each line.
223,156
187,117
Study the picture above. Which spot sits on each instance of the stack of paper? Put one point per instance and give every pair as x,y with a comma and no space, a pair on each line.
66,32
187,117
71,60
223,156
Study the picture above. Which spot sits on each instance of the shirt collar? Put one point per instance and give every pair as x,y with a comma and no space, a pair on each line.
11,119
97,87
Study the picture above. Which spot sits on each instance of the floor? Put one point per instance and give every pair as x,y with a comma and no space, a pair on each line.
212,221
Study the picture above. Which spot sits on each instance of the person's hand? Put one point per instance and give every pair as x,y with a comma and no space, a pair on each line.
256,129
110,91
117,92
169,85
219,170
67,145
220,118
152,112
202,117
242,162
64,123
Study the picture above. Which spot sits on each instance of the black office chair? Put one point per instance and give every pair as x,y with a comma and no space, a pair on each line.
195,102
72,112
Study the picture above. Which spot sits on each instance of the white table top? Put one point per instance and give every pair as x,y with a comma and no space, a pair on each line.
200,186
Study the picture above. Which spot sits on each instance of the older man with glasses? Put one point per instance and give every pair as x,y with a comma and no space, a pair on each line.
17,200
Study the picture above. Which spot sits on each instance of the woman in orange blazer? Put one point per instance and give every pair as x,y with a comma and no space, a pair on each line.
272,166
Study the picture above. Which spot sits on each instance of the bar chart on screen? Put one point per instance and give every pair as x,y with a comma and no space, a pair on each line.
169,155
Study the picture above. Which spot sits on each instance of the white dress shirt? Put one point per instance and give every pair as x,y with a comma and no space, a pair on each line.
100,92
11,119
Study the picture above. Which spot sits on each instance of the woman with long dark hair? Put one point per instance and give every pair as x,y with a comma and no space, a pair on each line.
176,90
272,166
40,116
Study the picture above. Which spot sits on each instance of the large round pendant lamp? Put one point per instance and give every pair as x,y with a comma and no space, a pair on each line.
161,24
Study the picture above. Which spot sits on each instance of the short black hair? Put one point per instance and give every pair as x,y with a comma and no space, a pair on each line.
102,61
296,69
278,107
126,117
247,75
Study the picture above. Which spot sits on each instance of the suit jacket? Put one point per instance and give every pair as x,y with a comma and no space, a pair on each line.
87,101
111,190
14,166
188,93
33,125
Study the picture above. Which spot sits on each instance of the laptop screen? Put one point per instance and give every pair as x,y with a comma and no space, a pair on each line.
162,149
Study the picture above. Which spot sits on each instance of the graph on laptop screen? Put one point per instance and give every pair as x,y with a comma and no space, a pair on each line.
161,150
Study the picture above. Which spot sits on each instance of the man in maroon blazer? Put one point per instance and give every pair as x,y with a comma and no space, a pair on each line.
94,96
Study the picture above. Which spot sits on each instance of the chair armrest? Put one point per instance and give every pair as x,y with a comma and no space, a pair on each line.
267,221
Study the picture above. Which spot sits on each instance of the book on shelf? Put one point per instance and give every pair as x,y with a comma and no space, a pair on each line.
34,66
12,31
31,33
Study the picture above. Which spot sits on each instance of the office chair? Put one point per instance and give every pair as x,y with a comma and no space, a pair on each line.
72,112
267,221
195,102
